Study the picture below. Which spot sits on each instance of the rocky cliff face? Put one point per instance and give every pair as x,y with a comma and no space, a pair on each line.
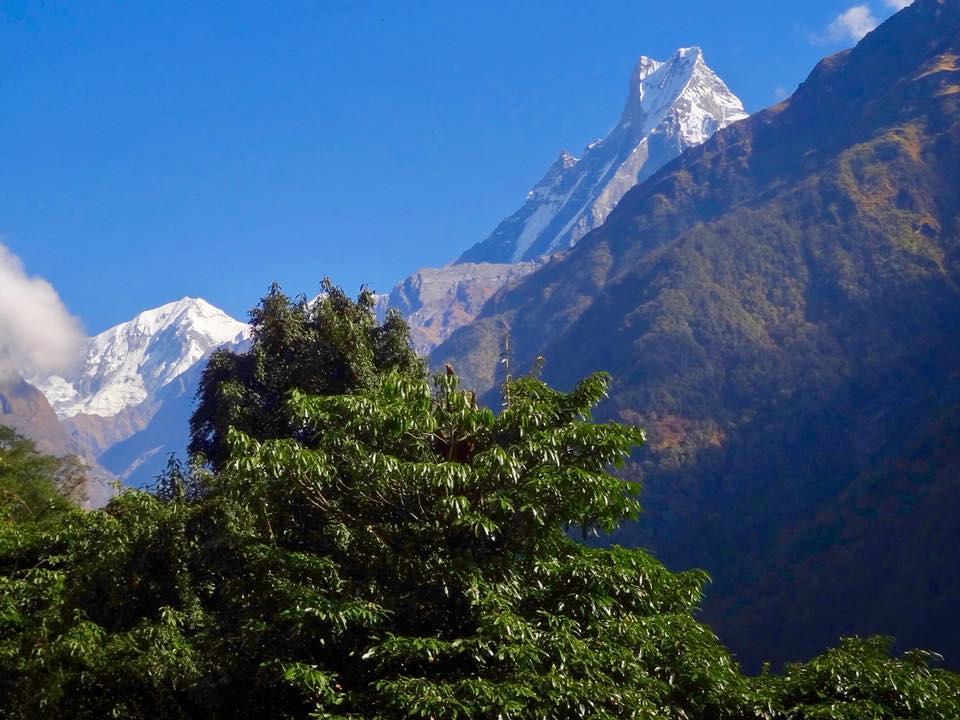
436,301
25,409
780,307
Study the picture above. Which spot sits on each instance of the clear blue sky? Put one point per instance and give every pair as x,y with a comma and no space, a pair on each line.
153,150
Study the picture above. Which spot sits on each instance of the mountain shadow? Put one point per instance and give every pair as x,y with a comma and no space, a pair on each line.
780,307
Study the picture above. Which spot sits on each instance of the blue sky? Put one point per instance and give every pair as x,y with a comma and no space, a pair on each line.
163,149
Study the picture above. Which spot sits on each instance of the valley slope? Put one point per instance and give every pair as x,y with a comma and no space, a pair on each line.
25,409
780,307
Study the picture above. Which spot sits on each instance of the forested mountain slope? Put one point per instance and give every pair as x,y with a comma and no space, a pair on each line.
780,307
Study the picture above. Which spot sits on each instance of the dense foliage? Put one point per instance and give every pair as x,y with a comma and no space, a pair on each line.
33,486
409,556
390,549
328,345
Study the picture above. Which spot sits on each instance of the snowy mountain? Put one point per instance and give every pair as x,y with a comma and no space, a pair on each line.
132,370
129,401
127,364
671,106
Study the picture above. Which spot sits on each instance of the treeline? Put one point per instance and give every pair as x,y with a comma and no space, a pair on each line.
355,539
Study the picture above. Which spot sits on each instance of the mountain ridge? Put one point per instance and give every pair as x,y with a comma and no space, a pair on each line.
436,301
671,106
779,307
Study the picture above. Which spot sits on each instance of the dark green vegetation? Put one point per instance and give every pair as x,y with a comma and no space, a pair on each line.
780,308
401,552
25,411
35,487
328,347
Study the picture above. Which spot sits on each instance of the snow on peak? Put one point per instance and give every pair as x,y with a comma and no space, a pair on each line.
646,66
566,159
687,57
129,363
547,186
671,105
682,91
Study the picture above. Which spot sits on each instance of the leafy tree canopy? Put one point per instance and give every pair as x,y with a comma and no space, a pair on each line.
34,486
327,346
392,550
408,556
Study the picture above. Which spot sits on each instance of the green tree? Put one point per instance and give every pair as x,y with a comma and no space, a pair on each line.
407,552
422,565
34,486
388,549
328,346
861,680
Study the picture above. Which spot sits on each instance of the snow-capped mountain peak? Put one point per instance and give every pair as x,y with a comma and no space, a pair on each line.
686,88
671,105
127,364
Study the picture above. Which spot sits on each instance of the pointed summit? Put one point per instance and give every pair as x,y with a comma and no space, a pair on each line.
683,61
655,86
671,105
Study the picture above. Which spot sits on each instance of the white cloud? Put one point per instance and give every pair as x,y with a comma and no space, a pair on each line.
38,336
897,4
852,24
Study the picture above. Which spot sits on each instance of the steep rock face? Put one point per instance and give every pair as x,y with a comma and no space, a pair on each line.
25,409
114,393
96,433
437,301
780,307
672,106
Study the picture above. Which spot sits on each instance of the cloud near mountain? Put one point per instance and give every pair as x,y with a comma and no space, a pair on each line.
851,24
38,336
